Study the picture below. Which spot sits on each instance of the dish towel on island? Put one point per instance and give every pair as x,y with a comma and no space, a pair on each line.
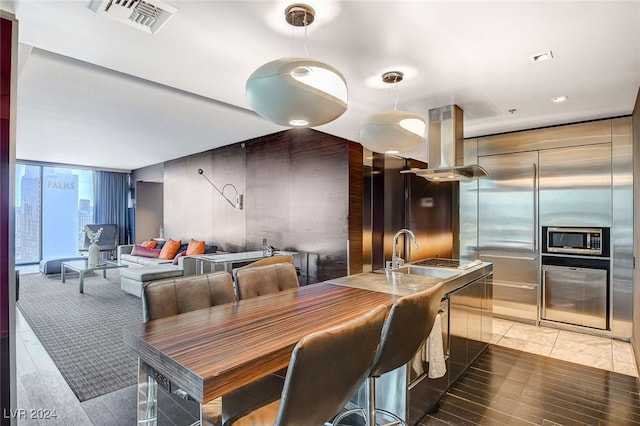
434,352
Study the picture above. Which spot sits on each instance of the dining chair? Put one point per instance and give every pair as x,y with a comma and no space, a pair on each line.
406,328
173,296
267,279
325,369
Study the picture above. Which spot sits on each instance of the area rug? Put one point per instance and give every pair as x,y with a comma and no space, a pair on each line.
82,333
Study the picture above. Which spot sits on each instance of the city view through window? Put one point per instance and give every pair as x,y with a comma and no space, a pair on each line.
53,204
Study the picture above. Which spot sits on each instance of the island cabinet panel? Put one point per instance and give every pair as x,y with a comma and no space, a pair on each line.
466,312
469,325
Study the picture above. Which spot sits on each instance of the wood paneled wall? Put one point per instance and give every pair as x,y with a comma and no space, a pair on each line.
431,215
408,201
301,192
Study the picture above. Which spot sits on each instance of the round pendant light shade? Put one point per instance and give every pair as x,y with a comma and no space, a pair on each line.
297,92
393,132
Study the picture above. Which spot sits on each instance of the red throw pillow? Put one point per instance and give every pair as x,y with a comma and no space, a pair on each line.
142,251
195,247
169,249
150,244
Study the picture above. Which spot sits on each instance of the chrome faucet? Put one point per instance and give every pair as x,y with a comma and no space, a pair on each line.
396,261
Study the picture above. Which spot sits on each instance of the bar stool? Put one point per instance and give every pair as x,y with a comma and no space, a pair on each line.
407,327
326,368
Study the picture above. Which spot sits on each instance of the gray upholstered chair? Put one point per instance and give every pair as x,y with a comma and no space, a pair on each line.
326,368
173,296
108,242
268,279
401,339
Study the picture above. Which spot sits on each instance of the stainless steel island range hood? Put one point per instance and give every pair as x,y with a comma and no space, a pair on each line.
446,155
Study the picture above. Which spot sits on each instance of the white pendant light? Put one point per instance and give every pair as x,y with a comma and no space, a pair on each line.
393,132
297,92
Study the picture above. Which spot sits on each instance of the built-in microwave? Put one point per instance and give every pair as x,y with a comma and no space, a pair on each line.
576,240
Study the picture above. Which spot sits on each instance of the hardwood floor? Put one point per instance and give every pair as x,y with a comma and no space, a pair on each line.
504,386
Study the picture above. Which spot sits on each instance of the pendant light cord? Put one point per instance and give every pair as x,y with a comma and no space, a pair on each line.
306,52
395,104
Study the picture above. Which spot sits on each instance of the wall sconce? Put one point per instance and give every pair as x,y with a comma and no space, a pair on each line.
239,197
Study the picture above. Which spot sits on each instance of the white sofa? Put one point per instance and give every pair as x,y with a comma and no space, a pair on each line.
141,270
185,263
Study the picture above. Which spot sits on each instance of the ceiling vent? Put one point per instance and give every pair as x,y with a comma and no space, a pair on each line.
148,16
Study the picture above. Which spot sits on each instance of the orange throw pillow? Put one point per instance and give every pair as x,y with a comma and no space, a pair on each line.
195,247
149,244
169,249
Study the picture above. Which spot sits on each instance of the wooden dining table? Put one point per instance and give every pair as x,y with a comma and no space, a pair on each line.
210,352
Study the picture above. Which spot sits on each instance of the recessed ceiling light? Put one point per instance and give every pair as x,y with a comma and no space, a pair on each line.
559,99
541,56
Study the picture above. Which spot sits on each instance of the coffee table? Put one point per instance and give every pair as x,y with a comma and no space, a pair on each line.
82,267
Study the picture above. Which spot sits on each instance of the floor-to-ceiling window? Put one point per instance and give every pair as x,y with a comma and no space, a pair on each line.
53,204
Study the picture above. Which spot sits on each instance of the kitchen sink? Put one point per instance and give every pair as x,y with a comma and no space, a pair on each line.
434,272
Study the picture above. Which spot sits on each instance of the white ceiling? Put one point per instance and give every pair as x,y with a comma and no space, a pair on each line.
95,92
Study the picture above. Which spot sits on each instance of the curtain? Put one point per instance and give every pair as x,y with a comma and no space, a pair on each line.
110,201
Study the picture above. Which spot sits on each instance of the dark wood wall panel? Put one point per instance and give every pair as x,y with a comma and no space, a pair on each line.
430,217
227,224
194,209
407,201
268,191
356,209
296,185
300,181
377,198
395,207
320,211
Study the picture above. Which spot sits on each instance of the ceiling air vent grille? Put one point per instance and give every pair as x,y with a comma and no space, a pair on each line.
148,16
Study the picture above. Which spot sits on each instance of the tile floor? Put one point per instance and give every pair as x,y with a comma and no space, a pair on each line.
594,351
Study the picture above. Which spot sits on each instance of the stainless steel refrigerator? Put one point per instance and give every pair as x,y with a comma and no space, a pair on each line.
508,232
577,175
568,186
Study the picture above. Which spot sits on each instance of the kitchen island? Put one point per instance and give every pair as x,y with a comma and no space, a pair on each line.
210,352
465,317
